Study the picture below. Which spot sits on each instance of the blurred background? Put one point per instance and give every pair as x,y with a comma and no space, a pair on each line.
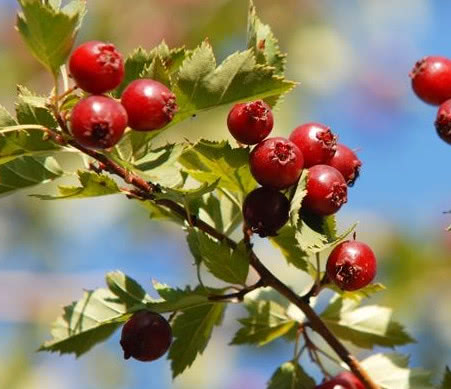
352,59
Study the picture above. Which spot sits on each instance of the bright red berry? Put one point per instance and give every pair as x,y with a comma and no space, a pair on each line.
96,67
276,163
344,380
150,104
146,336
431,79
347,163
250,123
316,141
98,122
443,121
265,211
351,265
326,190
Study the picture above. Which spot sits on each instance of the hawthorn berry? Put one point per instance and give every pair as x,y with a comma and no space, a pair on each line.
250,123
344,380
150,104
146,336
326,190
443,121
351,265
347,163
96,67
265,211
316,141
276,163
98,122
431,79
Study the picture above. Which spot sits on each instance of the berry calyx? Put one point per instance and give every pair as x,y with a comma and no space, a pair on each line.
347,163
98,122
443,121
146,336
96,67
250,123
150,105
276,163
265,211
316,141
431,79
351,265
344,380
326,190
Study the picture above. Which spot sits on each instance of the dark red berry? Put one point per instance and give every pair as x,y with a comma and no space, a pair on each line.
316,141
351,265
326,190
347,376
250,123
347,163
276,163
96,67
431,79
98,122
443,121
150,105
146,336
265,211
344,380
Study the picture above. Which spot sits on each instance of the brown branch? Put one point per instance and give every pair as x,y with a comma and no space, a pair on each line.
239,296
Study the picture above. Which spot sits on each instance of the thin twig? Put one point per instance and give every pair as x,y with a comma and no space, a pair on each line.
238,296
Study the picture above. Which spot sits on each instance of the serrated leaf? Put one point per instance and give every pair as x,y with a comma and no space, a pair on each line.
32,109
296,201
291,376
358,295
191,331
158,212
446,383
158,72
50,32
127,289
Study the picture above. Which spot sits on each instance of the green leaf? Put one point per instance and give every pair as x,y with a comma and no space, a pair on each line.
266,322
25,172
358,295
50,32
286,242
192,330
446,384
291,376
158,72
158,212
127,289
133,145
32,109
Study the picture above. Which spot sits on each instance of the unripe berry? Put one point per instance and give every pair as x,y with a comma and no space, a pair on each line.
431,79
150,104
326,190
250,123
276,163
265,211
344,380
347,163
316,141
96,67
351,265
146,336
443,121
98,122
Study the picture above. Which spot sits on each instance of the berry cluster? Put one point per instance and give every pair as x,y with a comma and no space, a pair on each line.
431,81
99,121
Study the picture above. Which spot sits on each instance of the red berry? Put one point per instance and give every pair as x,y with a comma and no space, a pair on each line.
351,378
150,105
431,79
96,67
276,163
344,380
146,336
347,163
326,190
316,141
250,123
443,121
265,211
351,265
98,122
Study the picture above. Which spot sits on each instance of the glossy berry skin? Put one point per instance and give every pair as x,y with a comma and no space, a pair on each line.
326,190
276,163
265,211
316,141
150,105
146,336
347,163
98,122
351,265
96,67
344,380
250,123
431,79
443,122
